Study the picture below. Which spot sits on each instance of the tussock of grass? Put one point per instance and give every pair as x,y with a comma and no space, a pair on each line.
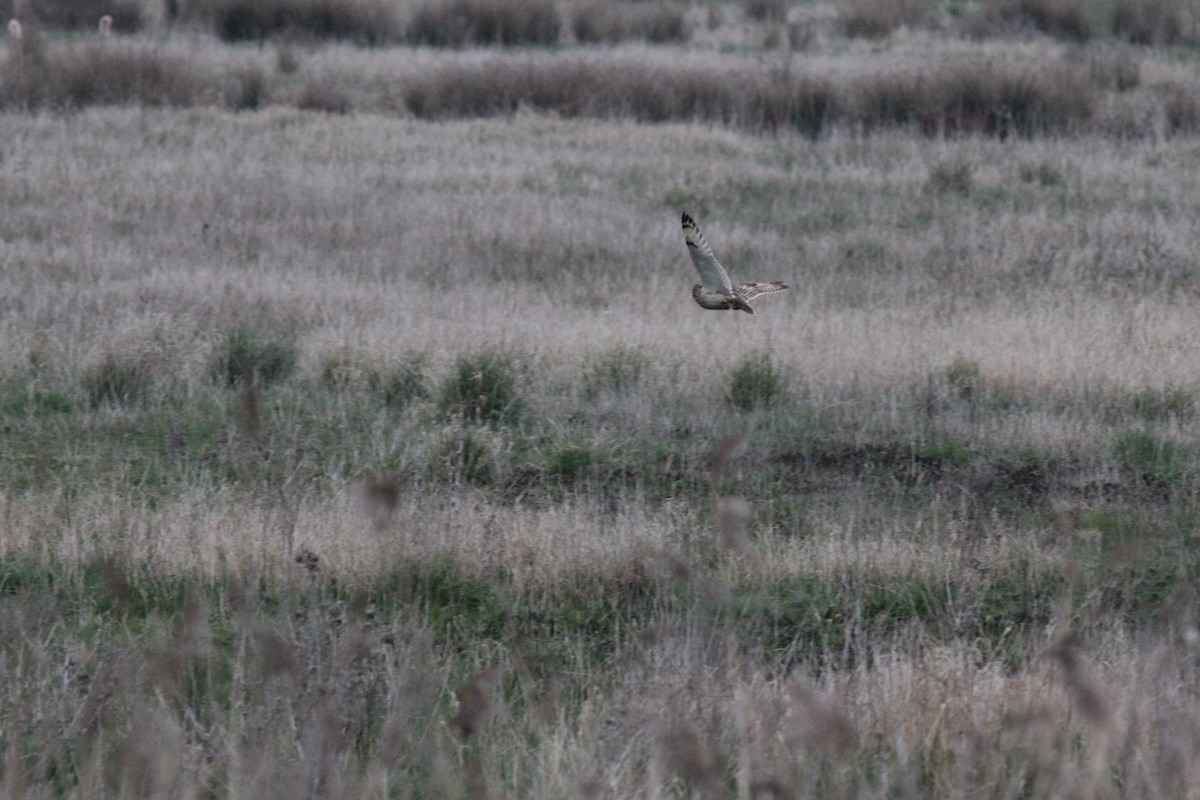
462,23
965,97
1070,20
875,19
1152,22
245,353
104,75
119,75
1114,69
1155,460
324,97
128,16
347,370
365,22
1144,22
755,383
655,22
964,377
119,380
484,387
466,454
615,371
953,177
765,10
404,383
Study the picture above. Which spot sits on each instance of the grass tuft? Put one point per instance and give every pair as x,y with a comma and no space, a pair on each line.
1113,68
323,96
1154,459
756,383
1042,173
482,387
84,15
405,383
1068,20
963,375
466,454
247,89
610,23
1151,22
463,23
346,369
615,371
119,380
954,176
875,19
765,10
101,73
364,22
246,352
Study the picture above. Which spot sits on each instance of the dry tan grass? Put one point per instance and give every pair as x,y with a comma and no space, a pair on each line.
998,286
1055,282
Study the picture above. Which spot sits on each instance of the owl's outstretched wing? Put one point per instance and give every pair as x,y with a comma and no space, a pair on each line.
748,291
712,275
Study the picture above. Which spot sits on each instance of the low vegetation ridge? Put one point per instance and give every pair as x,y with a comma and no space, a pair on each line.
991,84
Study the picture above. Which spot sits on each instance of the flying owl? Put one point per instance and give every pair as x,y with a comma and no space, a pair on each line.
715,290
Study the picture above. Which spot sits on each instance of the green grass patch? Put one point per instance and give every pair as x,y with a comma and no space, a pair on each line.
404,383
119,380
245,352
24,396
1154,459
615,371
756,383
483,387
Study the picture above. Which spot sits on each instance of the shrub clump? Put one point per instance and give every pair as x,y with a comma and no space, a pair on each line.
482,387
756,383
460,23
1113,68
346,369
368,22
117,75
84,15
1153,458
117,380
324,97
964,376
572,463
1068,20
765,10
615,22
101,74
576,87
1151,22
615,371
1043,173
953,176
970,97
247,353
465,454
404,384
875,19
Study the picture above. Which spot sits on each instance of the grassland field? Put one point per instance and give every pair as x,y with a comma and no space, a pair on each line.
368,455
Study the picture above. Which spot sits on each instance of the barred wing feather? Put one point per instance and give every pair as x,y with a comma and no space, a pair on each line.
712,275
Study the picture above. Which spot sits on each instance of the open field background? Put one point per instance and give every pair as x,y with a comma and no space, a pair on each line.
384,453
